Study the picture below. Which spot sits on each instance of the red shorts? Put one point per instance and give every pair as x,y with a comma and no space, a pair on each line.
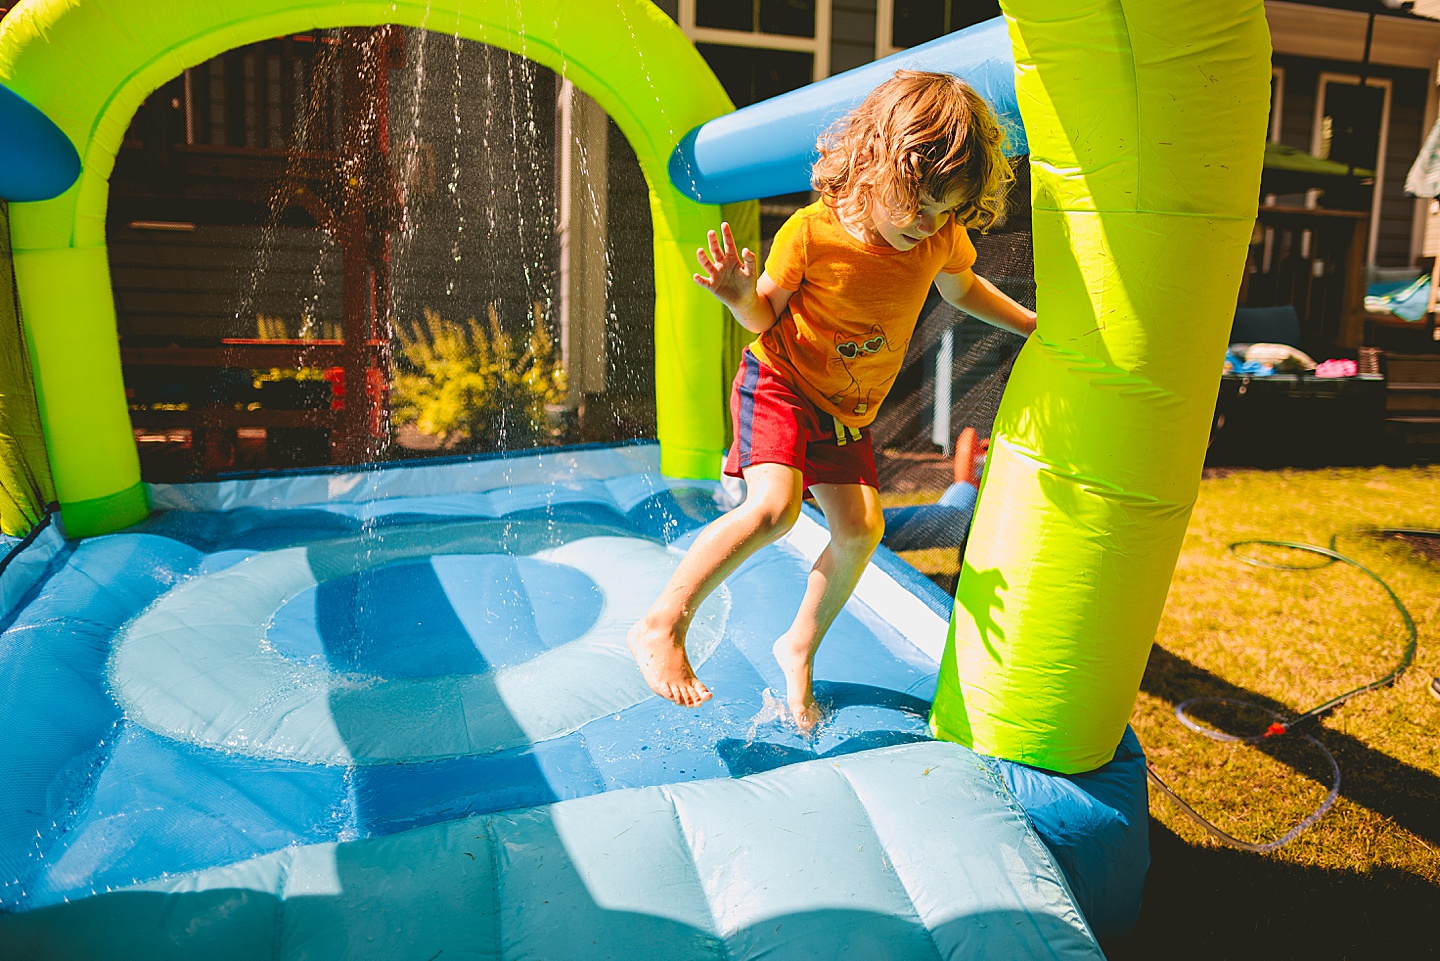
776,424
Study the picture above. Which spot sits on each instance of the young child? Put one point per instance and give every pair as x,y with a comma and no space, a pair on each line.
900,179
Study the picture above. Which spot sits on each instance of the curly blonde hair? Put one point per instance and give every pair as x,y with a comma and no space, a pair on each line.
916,135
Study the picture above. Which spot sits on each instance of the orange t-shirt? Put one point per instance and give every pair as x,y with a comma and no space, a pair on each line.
843,335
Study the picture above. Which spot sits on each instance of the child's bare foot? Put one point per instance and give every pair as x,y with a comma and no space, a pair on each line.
797,662
660,655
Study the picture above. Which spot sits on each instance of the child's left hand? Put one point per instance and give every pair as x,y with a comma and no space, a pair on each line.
730,273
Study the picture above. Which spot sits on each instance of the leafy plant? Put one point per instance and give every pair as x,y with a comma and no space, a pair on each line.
471,384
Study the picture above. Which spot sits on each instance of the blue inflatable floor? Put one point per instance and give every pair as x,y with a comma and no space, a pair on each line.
391,713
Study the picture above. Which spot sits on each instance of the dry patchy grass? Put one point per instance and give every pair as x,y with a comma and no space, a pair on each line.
1365,881
1294,639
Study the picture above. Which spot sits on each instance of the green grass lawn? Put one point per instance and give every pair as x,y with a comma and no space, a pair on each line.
1364,882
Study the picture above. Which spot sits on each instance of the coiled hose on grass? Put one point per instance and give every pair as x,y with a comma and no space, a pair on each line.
1280,724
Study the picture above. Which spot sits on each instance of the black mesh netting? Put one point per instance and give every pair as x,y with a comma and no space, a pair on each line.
910,452
280,318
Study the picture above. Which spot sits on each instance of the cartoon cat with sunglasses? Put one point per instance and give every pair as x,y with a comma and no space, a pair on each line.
852,353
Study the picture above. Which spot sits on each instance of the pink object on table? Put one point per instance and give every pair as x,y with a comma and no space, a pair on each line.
1337,368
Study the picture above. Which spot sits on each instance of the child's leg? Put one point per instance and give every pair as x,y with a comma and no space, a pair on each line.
772,503
856,525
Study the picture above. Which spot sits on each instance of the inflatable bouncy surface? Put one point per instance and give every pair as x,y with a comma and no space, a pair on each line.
389,712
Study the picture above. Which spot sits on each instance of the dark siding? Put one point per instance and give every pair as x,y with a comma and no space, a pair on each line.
852,34
489,240
1407,131
1407,106
1297,115
212,282
482,229
630,340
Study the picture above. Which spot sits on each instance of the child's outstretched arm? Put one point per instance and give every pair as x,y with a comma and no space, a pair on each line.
979,298
735,278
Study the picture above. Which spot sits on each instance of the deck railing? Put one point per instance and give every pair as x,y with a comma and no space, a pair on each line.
1313,258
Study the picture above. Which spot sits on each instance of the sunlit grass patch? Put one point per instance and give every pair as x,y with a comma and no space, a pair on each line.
1291,640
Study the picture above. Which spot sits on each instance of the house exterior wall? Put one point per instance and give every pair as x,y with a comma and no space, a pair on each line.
1337,37
630,341
1408,95
480,219
479,175
852,34
192,287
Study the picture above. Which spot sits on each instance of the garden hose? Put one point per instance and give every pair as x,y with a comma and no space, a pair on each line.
1210,827
1281,725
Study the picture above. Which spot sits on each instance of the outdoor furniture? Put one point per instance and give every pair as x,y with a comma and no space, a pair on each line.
1298,420
1312,258
1293,419
1266,325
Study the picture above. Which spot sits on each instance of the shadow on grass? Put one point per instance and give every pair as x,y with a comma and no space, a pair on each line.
1391,788
1221,903
1216,902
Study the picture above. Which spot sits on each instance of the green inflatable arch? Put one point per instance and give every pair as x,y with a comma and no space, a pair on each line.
89,65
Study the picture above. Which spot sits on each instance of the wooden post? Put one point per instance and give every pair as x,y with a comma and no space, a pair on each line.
1352,309
369,210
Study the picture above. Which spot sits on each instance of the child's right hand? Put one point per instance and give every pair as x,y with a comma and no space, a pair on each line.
729,273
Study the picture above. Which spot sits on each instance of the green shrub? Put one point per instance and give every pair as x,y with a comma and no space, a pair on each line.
471,386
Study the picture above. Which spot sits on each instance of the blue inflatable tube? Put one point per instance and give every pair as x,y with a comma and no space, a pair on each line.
942,524
768,148
1097,826
37,160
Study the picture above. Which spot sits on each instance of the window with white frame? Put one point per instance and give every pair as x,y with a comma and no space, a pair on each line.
760,48
908,23
1277,104
1277,101
1351,127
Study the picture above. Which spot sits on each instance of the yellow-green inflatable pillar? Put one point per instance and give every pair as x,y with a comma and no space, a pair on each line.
1146,121
79,388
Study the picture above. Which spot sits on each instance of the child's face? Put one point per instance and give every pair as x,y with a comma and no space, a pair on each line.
931,216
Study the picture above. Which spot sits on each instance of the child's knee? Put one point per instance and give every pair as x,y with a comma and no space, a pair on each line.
861,532
774,515
874,530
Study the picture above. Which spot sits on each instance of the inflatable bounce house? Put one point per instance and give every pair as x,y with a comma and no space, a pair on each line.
389,713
